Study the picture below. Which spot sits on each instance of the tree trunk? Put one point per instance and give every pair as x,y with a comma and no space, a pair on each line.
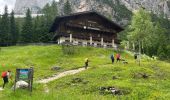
139,53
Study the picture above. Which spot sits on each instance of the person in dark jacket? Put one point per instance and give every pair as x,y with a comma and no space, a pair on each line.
112,58
86,62
135,57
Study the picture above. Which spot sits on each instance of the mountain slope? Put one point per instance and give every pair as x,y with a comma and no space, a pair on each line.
117,10
35,6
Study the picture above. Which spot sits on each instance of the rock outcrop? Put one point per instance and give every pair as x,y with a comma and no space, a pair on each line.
117,10
156,6
21,85
35,6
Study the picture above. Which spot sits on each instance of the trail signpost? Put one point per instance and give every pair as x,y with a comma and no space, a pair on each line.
24,75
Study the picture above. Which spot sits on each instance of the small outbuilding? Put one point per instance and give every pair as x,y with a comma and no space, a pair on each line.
86,28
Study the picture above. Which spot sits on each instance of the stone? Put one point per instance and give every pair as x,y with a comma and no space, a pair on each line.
113,91
1,89
55,68
114,77
85,82
141,75
145,75
21,85
77,80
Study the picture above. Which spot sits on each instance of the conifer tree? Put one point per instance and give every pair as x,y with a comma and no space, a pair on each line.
54,9
46,21
27,29
37,29
0,30
67,8
13,29
5,28
47,14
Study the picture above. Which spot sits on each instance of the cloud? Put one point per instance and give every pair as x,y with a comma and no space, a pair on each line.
9,3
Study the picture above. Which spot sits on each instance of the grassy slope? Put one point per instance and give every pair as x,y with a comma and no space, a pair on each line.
100,74
43,58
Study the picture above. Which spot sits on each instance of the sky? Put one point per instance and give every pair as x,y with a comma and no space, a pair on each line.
9,3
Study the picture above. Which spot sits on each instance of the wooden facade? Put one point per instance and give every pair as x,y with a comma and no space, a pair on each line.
86,28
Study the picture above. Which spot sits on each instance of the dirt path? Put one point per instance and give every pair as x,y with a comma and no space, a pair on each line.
1,89
60,75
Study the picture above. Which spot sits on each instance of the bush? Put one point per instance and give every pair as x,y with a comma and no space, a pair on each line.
161,53
68,49
168,51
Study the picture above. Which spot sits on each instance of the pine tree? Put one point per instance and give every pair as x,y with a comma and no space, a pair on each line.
5,28
13,29
37,29
168,51
0,30
50,13
46,21
47,14
54,9
161,52
67,8
27,29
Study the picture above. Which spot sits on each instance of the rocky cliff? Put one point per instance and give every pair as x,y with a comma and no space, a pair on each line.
111,9
34,5
117,10
156,6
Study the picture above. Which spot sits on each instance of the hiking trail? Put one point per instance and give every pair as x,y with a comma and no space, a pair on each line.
1,89
60,75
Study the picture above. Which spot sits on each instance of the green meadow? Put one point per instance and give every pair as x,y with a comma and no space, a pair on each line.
150,81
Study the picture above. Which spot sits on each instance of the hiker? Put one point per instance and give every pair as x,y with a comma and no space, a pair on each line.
6,75
135,57
118,57
86,63
112,58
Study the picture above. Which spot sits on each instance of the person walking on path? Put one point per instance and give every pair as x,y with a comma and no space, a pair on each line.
86,62
112,58
135,57
6,75
118,57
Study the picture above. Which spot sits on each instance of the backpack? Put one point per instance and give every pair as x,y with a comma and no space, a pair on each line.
4,74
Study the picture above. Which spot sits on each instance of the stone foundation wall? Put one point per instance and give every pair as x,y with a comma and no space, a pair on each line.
86,42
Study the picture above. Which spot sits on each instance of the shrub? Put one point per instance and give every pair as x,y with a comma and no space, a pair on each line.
161,53
168,51
68,49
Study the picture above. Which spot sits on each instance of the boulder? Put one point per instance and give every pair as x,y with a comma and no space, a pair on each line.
77,80
21,85
114,91
1,89
114,77
55,68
